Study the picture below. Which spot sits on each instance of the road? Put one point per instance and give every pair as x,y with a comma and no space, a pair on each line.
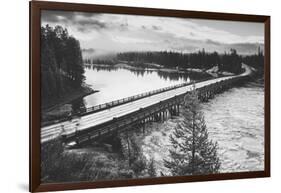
84,122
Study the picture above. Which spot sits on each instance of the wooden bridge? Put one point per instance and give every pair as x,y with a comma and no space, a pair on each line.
99,121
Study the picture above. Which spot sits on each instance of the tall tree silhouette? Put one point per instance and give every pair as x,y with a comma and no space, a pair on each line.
61,63
256,61
192,153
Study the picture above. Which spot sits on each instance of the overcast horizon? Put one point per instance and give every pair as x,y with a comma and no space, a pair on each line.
112,33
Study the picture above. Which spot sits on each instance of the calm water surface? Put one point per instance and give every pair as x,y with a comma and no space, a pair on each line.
118,83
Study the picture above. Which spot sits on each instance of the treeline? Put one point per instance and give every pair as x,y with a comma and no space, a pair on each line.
230,62
256,61
99,61
61,63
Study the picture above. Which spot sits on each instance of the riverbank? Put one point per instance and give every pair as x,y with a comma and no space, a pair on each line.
149,68
93,162
61,107
214,71
156,143
90,163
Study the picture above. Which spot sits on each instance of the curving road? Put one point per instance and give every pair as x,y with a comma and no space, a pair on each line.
84,122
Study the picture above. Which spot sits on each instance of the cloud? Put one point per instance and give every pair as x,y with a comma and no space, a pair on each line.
86,26
154,27
191,34
120,32
63,16
92,23
131,40
56,16
82,21
208,41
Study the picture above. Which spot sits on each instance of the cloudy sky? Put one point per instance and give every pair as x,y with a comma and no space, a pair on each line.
117,33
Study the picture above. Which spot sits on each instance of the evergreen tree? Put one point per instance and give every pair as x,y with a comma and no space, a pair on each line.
151,168
256,61
229,61
132,153
192,153
61,63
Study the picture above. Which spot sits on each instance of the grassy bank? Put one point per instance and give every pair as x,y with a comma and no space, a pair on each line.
59,107
94,162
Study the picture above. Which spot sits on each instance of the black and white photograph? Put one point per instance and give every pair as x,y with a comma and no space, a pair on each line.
133,96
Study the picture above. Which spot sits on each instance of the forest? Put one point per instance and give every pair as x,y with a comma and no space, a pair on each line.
228,61
256,61
61,64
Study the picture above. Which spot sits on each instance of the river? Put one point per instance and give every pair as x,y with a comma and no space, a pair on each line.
236,121
117,83
234,118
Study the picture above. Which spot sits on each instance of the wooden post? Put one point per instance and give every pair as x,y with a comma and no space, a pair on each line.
143,127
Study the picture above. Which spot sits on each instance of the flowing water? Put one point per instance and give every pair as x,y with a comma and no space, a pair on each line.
235,119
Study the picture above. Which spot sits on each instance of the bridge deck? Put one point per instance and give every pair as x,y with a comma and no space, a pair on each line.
84,122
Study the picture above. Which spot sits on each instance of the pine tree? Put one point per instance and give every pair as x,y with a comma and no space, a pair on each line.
132,153
151,168
192,153
62,64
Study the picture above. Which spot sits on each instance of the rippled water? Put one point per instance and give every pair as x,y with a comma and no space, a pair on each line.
235,119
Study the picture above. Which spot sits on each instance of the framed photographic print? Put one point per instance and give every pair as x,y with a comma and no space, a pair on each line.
123,96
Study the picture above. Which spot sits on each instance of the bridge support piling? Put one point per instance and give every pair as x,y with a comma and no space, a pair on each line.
143,126
156,112
177,109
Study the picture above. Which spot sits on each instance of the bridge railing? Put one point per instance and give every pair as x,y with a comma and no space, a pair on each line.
135,97
114,103
132,98
125,121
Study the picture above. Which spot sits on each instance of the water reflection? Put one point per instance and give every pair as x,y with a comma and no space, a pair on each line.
165,74
116,83
175,76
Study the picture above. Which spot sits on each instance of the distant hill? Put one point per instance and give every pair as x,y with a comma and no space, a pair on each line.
246,48
241,48
96,54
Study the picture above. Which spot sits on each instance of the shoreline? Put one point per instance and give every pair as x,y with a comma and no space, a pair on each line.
59,106
211,71
62,107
